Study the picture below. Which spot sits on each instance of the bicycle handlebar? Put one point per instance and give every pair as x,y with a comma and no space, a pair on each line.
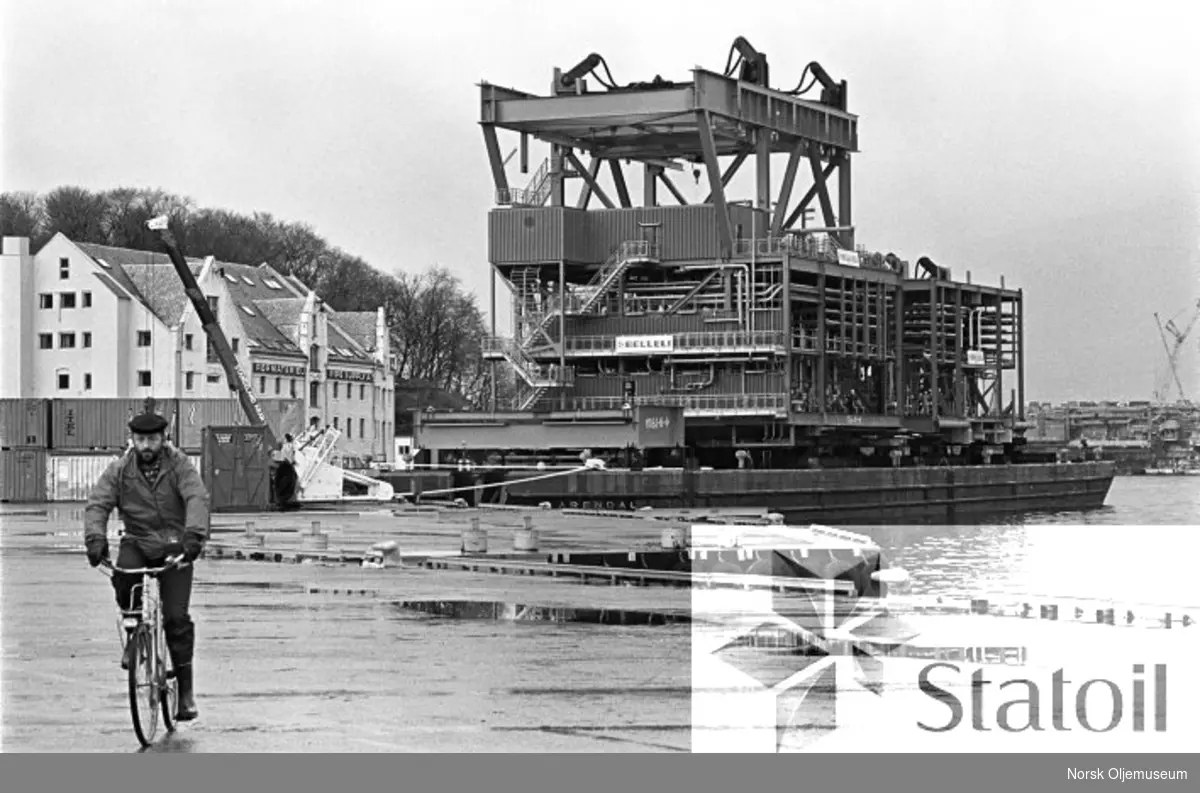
144,570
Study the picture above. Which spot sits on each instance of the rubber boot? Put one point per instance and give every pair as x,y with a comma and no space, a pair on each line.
187,699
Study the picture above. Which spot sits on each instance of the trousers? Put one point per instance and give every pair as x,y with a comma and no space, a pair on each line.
175,592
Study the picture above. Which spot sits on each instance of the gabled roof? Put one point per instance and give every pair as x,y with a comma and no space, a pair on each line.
112,286
161,289
247,286
343,348
283,313
359,326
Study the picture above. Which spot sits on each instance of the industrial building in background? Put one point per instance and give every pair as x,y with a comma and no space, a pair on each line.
97,329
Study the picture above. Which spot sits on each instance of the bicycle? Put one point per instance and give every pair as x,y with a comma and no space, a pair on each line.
149,661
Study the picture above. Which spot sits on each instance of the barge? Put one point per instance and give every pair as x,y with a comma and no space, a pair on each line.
712,351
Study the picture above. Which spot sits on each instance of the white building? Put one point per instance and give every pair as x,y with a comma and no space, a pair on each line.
91,321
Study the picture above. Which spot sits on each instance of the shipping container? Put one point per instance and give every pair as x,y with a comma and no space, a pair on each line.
71,477
23,423
23,475
236,468
93,424
283,415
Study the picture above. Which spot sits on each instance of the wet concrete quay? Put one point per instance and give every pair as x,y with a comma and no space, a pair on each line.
336,657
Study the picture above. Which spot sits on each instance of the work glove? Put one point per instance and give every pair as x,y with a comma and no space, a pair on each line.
97,550
192,546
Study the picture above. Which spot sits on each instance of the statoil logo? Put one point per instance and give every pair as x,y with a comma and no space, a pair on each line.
1022,704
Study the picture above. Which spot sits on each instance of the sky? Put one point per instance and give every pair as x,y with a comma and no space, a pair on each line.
1052,143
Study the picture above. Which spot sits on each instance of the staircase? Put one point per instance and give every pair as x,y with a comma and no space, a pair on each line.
627,254
533,195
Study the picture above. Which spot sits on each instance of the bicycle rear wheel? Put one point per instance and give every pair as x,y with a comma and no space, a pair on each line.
143,688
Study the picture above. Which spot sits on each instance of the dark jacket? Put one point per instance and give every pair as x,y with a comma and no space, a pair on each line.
155,514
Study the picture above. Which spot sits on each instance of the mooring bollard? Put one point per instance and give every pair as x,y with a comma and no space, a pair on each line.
525,539
474,539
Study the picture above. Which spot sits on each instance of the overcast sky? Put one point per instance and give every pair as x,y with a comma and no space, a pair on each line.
1053,143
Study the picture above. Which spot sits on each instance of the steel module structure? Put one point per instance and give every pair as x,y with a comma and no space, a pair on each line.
792,341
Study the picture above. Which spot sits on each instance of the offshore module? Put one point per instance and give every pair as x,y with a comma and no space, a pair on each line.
727,352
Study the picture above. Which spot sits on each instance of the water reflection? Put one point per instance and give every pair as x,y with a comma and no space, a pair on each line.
1130,550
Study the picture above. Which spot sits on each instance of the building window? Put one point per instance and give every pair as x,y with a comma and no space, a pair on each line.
213,378
335,423
278,384
46,300
66,341
187,341
293,387
189,380
235,346
64,268
349,428
144,379
143,338
87,338
262,385
87,299
314,359
87,381
64,381
362,428
46,341
213,302
210,351
66,300
314,393
362,394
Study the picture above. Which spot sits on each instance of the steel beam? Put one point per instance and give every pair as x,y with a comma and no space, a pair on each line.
618,175
730,172
666,180
821,187
585,195
807,199
709,146
589,178
762,170
785,189
494,158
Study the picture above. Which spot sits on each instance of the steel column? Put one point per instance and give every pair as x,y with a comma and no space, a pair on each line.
807,199
785,189
822,188
709,146
845,217
649,185
935,328
585,195
1020,332
494,158
730,172
590,179
618,175
762,172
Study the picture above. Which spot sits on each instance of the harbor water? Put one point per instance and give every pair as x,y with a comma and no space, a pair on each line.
282,670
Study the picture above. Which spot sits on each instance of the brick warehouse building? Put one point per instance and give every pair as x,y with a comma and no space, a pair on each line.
92,321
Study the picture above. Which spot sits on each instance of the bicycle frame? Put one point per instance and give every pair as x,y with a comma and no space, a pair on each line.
148,621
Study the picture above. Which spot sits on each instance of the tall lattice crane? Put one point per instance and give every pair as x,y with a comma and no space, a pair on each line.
1173,348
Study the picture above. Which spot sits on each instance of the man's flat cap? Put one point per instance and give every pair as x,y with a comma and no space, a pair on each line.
148,423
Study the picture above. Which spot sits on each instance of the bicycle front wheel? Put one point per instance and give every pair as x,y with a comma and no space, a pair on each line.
143,687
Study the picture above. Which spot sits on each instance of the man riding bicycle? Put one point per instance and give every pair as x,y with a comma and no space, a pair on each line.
164,504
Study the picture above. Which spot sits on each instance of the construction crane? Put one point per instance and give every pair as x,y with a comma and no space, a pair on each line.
316,479
1173,348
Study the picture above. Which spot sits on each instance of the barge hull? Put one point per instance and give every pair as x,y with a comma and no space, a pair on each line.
933,495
